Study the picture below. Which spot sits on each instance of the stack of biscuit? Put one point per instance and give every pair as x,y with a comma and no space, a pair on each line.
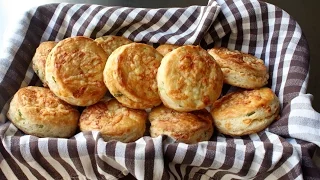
176,83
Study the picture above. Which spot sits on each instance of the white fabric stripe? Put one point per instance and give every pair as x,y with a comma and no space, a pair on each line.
84,157
304,85
201,154
101,152
182,20
271,20
139,159
165,18
212,172
66,21
111,20
180,153
239,156
16,32
94,21
43,148
120,152
245,26
230,18
7,171
129,19
303,113
296,145
52,23
205,14
277,149
291,162
260,37
289,51
84,16
220,155
281,37
297,130
27,156
28,76
232,176
300,177
7,144
158,161
259,153
62,146
141,34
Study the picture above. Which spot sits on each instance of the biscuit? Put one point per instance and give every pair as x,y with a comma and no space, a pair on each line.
74,71
130,75
166,48
39,59
37,111
187,127
245,112
189,79
110,43
122,97
240,69
114,121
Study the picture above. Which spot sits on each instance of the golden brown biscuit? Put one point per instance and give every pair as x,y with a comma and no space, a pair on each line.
110,43
187,127
166,48
74,71
37,111
39,59
130,75
114,121
245,112
189,79
240,69
122,97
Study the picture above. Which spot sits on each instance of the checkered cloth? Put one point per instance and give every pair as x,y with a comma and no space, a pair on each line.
283,151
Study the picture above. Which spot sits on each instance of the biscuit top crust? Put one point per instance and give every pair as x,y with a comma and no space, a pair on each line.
190,77
110,43
111,118
39,59
75,71
135,71
180,123
238,61
241,103
39,104
166,48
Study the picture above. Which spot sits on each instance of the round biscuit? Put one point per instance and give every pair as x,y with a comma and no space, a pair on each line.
74,71
189,79
39,59
187,127
120,96
114,121
110,43
164,49
37,111
245,112
240,69
131,69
